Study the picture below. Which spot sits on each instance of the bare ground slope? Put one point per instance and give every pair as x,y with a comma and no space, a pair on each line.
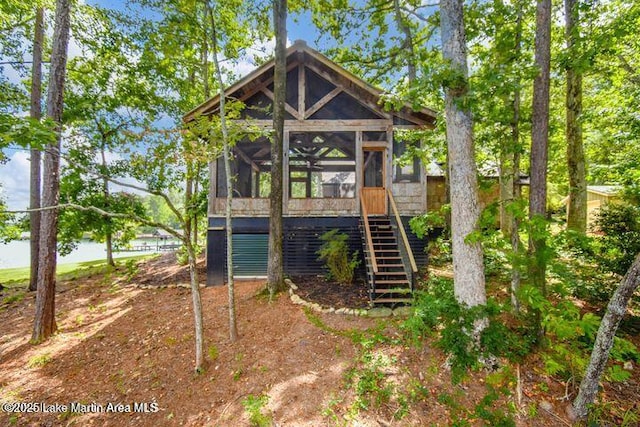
121,344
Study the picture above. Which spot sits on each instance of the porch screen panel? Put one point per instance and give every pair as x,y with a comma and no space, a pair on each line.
250,167
406,163
322,165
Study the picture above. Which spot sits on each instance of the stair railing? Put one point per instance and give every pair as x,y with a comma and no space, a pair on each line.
369,242
405,248
367,231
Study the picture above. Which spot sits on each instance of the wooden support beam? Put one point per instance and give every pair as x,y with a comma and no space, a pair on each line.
321,125
322,102
302,86
246,158
404,115
262,152
257,88
375,108
213,186
287,107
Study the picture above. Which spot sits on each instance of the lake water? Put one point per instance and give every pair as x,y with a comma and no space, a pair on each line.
16,253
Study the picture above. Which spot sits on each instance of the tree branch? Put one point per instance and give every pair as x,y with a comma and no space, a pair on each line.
21,62
166,198
633,75
102,212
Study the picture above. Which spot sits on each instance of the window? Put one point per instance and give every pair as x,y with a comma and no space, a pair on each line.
322,165
406,163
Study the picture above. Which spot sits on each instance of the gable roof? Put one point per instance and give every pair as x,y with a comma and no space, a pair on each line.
300,53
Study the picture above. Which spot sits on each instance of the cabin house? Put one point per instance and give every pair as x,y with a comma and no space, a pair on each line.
339,146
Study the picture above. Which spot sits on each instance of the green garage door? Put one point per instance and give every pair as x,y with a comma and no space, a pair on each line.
250,254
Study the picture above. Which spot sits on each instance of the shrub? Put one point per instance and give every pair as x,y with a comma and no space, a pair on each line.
619,243
253,406
436,312
335,254
439,248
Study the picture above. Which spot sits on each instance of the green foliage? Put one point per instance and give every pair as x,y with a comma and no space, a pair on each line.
424,224
499,258
253,406
490,408
619,243
439,246
9,227
436,311
213,353
369,381
39,360
367,338
158,211
24,132
131,268
16,297
335,253
570,338
578,269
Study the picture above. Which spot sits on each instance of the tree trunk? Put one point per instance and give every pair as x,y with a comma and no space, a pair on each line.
207,94
35,113
468,270
539,154
506,181
515,221
106,195
604,340
196,190
514,229
275,273
197,306
188,201
233,327
408,42
577,216
45,323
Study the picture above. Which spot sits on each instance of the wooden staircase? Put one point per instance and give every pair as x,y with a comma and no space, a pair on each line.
389,283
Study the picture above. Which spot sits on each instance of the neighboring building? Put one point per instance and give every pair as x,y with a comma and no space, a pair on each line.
338,173
597,196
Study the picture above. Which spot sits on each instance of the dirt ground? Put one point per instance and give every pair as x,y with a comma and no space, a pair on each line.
119,344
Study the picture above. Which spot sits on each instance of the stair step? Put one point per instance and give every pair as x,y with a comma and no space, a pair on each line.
391,273
387,257
391,300
393,291
392,282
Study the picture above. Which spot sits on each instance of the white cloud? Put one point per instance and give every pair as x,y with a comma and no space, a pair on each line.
14,178
253,56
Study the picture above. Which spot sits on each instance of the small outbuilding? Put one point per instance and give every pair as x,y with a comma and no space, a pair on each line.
597,196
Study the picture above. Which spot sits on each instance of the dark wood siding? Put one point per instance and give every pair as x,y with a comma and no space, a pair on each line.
300,246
